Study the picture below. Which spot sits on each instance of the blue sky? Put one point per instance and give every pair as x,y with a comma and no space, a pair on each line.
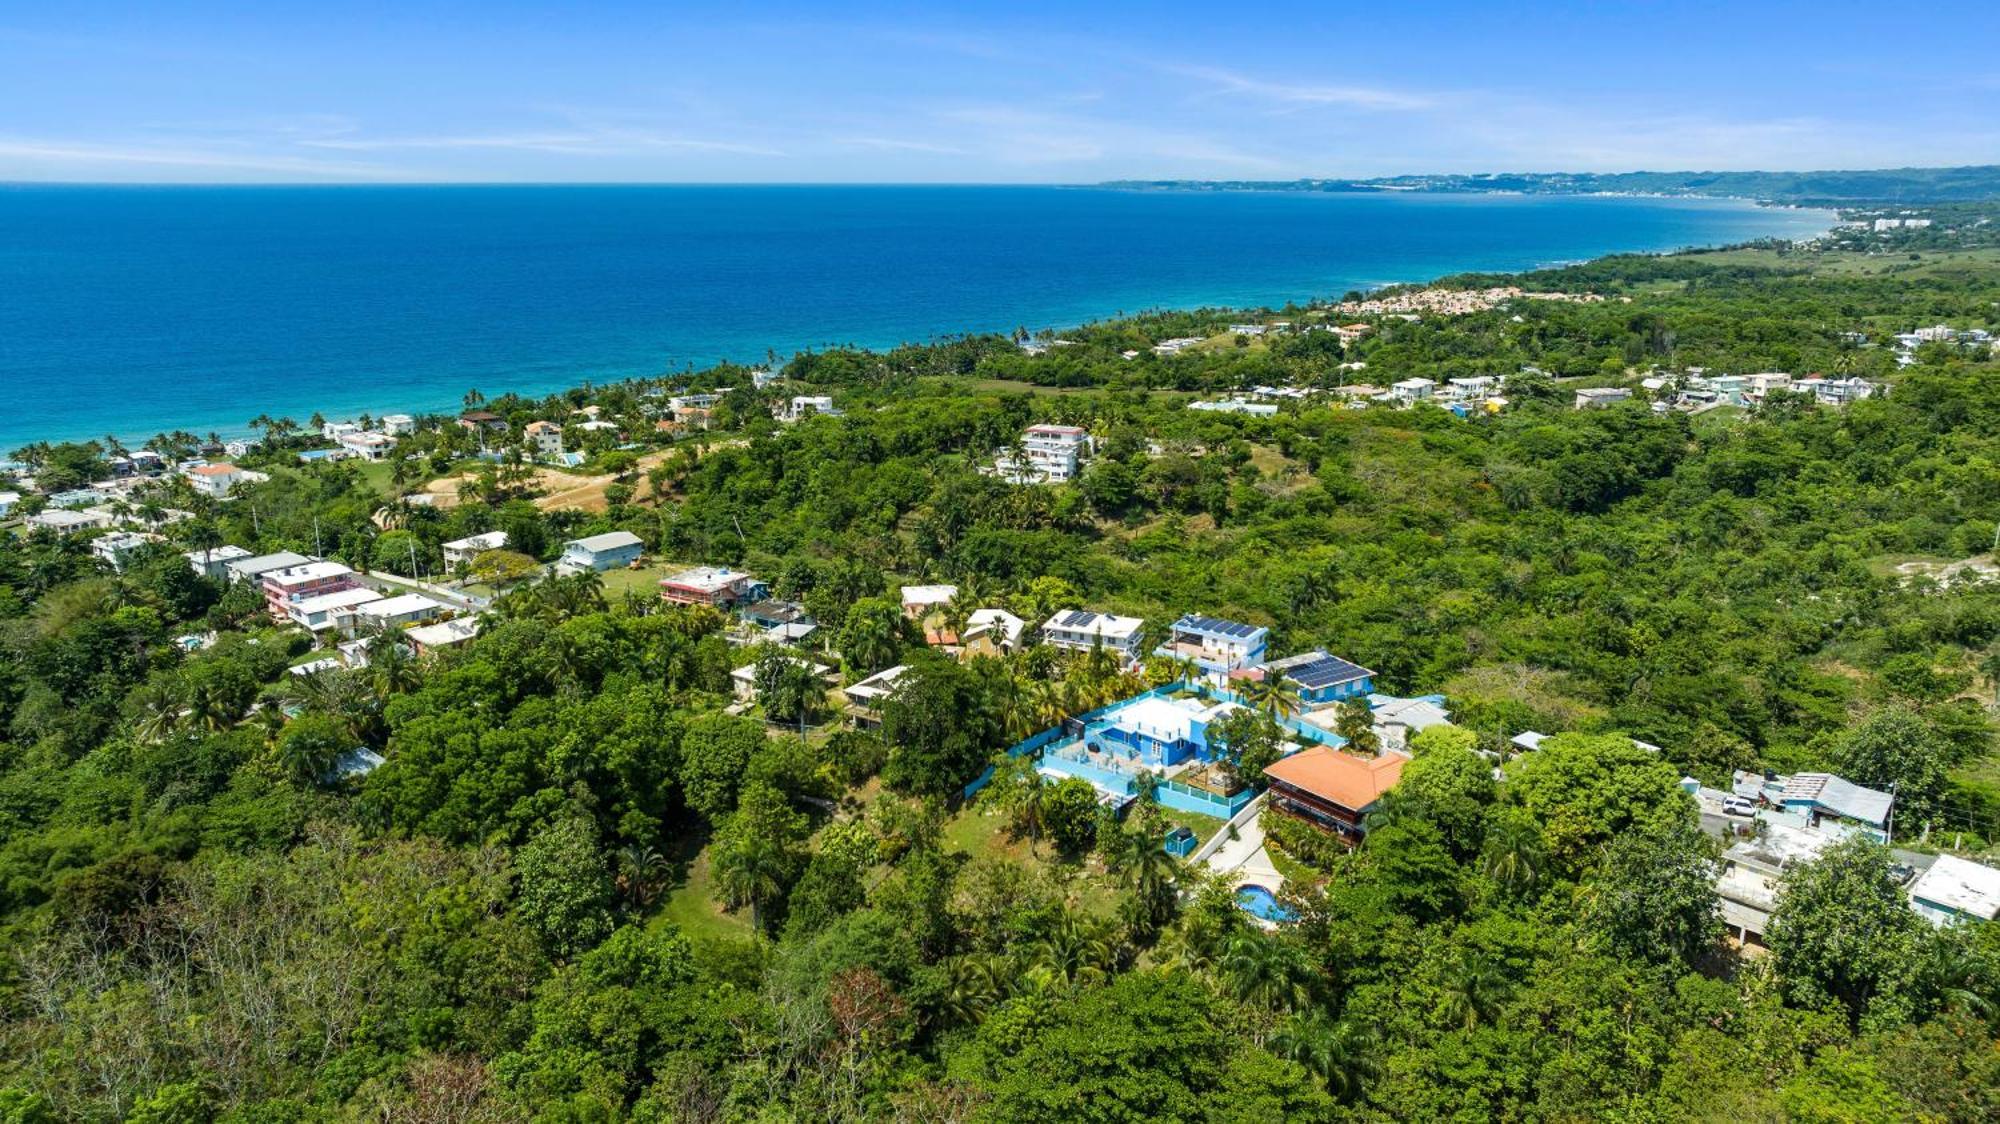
1027,92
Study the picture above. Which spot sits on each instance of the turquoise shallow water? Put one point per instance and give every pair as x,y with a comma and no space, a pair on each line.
133,310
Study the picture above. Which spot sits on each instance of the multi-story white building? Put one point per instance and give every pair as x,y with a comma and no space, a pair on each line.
1052,455
1080,630
544,437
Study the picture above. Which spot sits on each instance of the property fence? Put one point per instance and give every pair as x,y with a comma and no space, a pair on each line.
1057,733
1171,794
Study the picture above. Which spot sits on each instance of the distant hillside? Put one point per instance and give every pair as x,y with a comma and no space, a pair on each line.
1893,185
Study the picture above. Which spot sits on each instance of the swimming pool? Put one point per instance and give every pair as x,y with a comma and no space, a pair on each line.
1261,903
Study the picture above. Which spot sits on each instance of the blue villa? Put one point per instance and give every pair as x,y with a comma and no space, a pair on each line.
1320,678
1157,732
1215,645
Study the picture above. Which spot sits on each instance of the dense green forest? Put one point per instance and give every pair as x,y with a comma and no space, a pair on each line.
578,890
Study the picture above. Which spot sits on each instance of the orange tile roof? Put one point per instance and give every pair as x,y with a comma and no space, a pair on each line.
213,469
1341,778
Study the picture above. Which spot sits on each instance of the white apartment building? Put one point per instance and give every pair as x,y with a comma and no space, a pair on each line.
1080,630
1053,455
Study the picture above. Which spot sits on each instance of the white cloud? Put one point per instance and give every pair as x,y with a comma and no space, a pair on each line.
1300,94
39,159
574,143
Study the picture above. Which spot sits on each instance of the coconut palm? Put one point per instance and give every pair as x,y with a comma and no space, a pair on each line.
1334,1052
1144,867
392,670
1273,695
158,706
1078,949
1515,854
642,871
1264,972
974,985
1471,993
750,872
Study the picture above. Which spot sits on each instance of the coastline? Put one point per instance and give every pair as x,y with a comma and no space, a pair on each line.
379,394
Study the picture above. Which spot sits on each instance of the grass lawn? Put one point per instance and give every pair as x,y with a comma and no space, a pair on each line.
1204,827
646,578
693,907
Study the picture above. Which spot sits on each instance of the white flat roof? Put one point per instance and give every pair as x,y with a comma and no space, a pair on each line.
707,579
1965,887
345,599
1094,623
400,604
488,540
444,632
928,594
311,571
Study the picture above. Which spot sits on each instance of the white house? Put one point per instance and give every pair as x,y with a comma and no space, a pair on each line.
426,638
367,444
400,611
1411,391
866,697
1953,888
398,425
1237,406
544,437
326,610
1080,630
214,564
216,481
65,522
600,552
461,552
919,601
113,549
806,405
7,502
1597,397
1052,455
253,568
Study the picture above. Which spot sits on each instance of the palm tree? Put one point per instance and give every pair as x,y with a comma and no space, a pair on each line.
749,872
1515,854
1264,972
871,639
1144,867
1471,993
1274,695
1017,789
1334,1052
392,670
641,873
159,708
269,721
1078,949
974,985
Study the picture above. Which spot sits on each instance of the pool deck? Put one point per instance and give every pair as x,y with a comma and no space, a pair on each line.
1244,859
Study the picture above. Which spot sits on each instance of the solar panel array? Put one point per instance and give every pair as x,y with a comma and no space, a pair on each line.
1217,626
1325,672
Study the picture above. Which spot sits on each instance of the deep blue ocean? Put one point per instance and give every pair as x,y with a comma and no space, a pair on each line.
133,310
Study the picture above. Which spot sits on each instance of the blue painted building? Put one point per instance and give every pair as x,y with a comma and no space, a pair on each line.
1322,678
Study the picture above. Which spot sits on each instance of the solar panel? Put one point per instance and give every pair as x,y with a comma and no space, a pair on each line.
1217,626
1323,672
